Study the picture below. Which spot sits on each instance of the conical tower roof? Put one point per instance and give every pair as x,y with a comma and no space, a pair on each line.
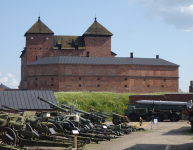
39,27
97,29
3,86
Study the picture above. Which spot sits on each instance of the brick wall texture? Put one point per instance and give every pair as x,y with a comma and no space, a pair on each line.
76,77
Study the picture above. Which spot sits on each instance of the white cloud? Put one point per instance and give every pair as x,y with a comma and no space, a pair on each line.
185,85
10,75
176,12
10,81
4,80
0,73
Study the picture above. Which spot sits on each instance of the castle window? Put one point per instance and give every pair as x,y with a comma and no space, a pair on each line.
46,48
79,78
52,78
125,78
47,38
144,79
87,54
32,38
98,78
62,53
164,79
35,48
81,53
36,78
98,85
162,85
36,57
52,84
103,41
53,53
71,53
36,85
93,40
148,85
79,85
40,48
125,85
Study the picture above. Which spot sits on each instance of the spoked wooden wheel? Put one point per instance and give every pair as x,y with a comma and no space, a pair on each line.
8,136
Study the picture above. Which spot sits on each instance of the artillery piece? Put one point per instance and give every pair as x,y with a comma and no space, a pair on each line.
16,131
94,118
85,125
117,119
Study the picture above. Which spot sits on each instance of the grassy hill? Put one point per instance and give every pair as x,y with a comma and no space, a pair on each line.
100,101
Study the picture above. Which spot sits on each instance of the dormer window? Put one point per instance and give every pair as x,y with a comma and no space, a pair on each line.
32,38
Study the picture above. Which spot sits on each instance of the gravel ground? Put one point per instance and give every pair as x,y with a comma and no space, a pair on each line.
174,135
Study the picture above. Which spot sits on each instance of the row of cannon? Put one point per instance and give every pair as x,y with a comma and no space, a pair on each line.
19,128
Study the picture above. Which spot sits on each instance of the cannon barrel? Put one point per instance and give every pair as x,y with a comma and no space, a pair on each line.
3,106
101,114
52,105
64,106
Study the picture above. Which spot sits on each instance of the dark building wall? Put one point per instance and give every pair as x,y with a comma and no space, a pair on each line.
112,78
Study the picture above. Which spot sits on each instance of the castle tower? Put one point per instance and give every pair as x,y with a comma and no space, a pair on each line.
39,39
98,41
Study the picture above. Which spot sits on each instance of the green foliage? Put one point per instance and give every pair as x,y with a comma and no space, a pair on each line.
100,101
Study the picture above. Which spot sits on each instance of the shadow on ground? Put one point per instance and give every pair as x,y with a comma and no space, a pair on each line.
180,131
187,146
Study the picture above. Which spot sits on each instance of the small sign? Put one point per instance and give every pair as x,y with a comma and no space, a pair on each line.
75,132
104,127
52,131
155,121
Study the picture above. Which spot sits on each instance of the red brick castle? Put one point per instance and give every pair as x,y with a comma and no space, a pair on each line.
86,63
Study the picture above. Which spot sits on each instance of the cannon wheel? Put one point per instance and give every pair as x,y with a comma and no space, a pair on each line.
43,125
71,124
116,120
174,118
160,117
4,138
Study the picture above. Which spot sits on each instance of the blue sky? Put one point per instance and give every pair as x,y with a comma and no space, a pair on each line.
145,27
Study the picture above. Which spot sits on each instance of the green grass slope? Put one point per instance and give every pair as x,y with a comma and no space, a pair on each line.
100,101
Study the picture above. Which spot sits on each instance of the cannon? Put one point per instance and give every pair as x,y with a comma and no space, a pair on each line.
95,119
117,119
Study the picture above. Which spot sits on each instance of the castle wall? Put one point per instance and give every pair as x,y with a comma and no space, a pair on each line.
111,78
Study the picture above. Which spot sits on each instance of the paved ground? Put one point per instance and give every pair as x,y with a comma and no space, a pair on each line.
177,135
